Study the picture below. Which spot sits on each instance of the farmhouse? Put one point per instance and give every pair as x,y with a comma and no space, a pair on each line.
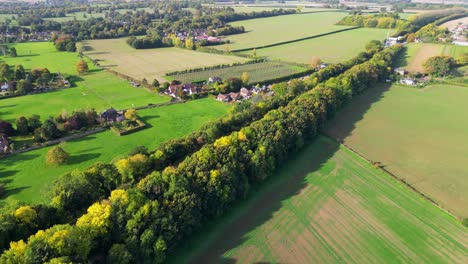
400,71
245,93
408,81
215,80
174,89
223,98
190,88
235,96
4,87
111,115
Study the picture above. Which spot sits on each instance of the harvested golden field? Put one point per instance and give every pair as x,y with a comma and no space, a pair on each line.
150,63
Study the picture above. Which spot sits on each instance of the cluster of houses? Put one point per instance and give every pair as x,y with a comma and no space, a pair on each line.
407,80
199,35
459,34
178,90
245,94
33,36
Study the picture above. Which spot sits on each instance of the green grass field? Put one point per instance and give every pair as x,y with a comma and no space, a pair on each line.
4,17
98,89
77,16
259,8
43,54
28,178
150,63
327,205
333,48
417,53
258,72
418,134
265,31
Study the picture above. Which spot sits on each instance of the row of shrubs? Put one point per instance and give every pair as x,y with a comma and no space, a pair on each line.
72,192
219,66
154,215
51,128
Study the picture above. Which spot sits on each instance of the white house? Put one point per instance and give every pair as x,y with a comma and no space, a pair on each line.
4,87
408,81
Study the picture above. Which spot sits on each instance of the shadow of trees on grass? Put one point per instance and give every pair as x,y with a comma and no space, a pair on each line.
264,200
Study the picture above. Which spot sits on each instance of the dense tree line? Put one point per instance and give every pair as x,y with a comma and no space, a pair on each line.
145,221
386,20
433,33
227,30
74,192
53,127
21,81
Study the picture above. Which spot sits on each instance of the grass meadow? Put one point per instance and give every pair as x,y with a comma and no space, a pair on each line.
150,63
332,48
265,31
327,205
418,53
259,8
98,89
28,178
418,134
257,72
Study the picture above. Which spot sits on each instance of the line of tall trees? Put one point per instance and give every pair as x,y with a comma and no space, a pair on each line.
386,20
74,192
140,224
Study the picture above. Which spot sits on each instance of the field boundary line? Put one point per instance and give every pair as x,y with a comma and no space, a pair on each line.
58,141
295,40
400,180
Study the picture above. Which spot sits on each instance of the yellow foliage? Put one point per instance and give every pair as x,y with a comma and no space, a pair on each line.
131,114
25,214
18,247
241,136
119,194
59,239
214,174
122,166
223,141
158,154
97,217
261,105
169,170
146,209
138,159
262,149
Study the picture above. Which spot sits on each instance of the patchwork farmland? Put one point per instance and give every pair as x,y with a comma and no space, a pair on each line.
257,72
266,31
328,205
330,48
150,63
412,132
347,165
